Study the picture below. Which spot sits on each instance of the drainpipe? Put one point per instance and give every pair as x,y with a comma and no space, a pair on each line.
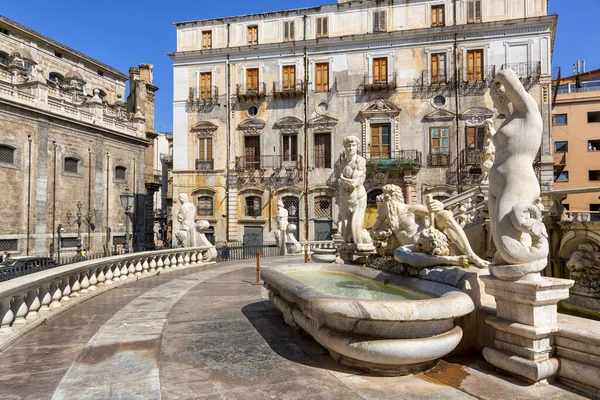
54,197
305,161
107,200
30,139
89,198
228,128
456,91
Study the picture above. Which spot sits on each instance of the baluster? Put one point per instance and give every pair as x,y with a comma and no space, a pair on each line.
159,264
33,303
167,262
19,308
6,315
174,260
93,280
152,265
101,276
180,261
109,275
145,265
117,272
124,270
193,259
75,285
45,297
66,290
186,259
138,266
84,282
56,293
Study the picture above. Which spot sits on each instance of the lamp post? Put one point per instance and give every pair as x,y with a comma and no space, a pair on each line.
59,231
79,215
127,202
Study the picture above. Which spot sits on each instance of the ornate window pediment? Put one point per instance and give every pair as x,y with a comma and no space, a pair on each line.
323,123
439,115
252,126
380,107
204,128
476,115
289,125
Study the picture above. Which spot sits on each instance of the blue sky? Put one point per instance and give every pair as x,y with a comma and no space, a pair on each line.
126,33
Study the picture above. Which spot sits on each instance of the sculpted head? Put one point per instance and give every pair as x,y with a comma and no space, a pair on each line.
393,193
351,144
500,98
280,204
183,198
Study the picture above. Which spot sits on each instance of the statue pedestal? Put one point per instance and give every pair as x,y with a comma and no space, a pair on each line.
353,253
526,318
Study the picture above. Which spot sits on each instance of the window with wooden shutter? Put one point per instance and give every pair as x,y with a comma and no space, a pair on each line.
252,35
438,68
290,148
475,137
253,206
379,21
289,77
206,40
205,149
440,143
252,150
322,27
437,16
205,85
380,70
323,150
474,11
205,205
474,65
322,77
252,80
288,31
380,141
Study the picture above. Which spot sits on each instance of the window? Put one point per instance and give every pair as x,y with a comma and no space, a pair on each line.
252,151
71,166
56,78
323,150
288,31
437,15
3,59
5,31
379,21
474,65
205,206
322,77
593,145
440,143
380,140
290,148
473,11
322,27
593,117
475,137
380,70
253,206
560,119
563,177
561,147
206,40
252,35
28,67
252,111
205,149
595,212
7,155
323,207
101,73
252,80
69,242
292,205
594,175
120,173
438,68
205,85
289,77
9,245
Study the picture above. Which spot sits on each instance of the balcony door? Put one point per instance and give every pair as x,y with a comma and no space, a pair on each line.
323,150
289,77
290,147
380,68
380,141
252,80
252,148
474,65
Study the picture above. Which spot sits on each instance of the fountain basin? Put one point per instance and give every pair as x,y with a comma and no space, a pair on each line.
368,319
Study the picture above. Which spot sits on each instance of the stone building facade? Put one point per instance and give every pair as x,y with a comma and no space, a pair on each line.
262,103
68,138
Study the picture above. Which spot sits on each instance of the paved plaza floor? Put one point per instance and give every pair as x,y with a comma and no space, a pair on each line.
208,333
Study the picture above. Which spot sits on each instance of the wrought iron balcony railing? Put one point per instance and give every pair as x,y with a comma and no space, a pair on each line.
380,82
250,91
434,77
526,70
292,161
471,75
402,159
439,159
203,95
288,88
205,164
154,177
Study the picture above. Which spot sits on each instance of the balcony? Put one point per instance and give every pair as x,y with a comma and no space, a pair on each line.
205,164
154,178
201,98
251,91
528,72
268,162
401,159
434,77
477,75
380,83
289,89
439,160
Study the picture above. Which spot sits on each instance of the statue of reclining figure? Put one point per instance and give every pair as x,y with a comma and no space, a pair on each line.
421,244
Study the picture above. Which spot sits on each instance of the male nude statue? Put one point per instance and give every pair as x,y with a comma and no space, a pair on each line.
187,220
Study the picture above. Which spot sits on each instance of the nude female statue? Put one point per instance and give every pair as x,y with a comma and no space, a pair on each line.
519,235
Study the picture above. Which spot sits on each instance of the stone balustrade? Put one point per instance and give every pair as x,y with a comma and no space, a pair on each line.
316,244
27,301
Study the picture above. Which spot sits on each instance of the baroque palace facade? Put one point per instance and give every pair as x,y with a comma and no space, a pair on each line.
69,146
262,103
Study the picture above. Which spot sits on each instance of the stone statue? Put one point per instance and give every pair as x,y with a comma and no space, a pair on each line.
519,235
352,198
284,235
584,266
464,216
282,216
187,221
420,242
489,152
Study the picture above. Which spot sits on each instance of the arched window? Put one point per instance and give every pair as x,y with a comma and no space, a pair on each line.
57,78
71,166
253,206
3,59
205,206
120,173
323,207
7,155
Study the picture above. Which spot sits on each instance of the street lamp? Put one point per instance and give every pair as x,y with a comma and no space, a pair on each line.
59,230
127,202
79,215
